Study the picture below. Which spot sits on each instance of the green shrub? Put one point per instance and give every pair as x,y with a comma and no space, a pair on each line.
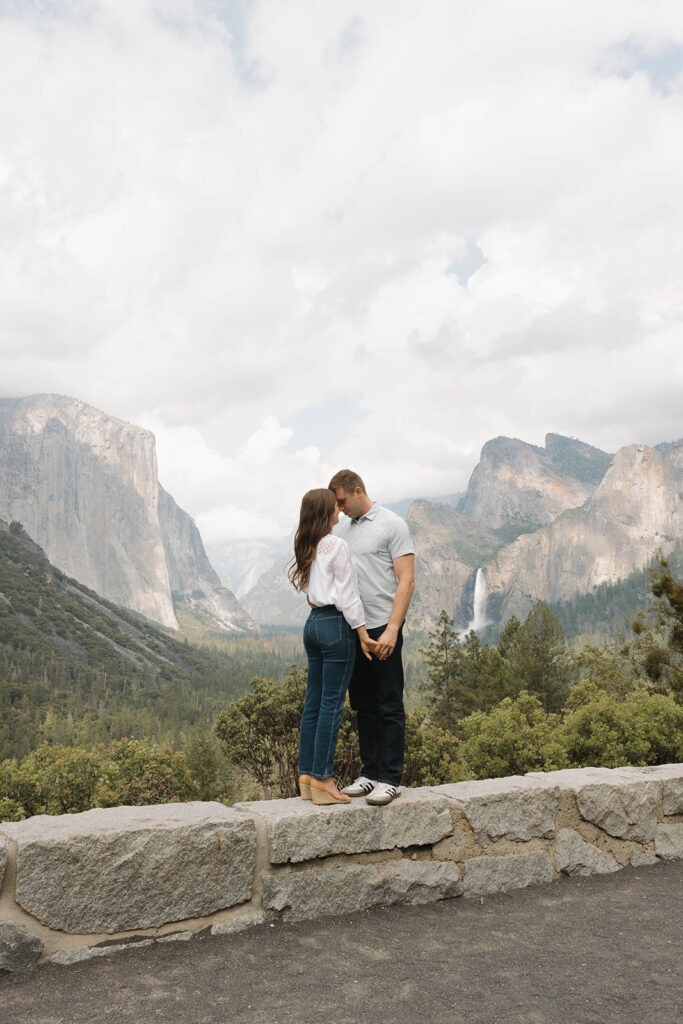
645,728
516,737
66,780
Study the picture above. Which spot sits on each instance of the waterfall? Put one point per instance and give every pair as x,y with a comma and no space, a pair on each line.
479,619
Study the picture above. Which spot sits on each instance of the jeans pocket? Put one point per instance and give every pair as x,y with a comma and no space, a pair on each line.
329,630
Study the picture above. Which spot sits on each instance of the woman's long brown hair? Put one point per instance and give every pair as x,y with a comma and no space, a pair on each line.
315,522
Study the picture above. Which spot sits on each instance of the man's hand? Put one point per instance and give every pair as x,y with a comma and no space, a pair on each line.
369,647
386,643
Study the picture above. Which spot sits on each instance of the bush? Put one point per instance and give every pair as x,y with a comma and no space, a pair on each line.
260,732
66,780
645,728
516,737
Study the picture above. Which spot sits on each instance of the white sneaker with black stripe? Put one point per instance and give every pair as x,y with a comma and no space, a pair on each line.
383,793
361,787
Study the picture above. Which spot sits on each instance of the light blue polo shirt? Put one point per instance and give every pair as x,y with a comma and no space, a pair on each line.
375,540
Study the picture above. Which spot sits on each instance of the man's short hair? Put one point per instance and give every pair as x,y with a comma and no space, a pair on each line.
347,480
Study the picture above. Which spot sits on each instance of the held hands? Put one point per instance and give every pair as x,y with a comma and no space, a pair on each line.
368,646
385,644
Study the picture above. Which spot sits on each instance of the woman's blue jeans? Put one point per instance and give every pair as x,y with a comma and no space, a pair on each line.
331,648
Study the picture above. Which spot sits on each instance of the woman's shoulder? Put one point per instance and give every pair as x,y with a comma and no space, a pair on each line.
331,543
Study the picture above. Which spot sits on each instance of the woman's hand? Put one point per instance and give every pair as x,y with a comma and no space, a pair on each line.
368,645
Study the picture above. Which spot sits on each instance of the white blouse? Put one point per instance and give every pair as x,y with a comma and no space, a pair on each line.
332,580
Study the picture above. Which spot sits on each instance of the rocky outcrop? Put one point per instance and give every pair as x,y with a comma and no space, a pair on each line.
84,485
636,509
191,576
449,546
520,484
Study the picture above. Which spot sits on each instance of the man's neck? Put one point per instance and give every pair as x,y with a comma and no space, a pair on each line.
366,507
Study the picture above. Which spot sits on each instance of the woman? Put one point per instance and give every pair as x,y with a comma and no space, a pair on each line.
322,570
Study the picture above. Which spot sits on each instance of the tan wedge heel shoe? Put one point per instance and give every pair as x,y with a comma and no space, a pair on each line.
305,787
320,795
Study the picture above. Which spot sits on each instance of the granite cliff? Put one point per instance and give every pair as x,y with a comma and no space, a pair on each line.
449,547
636,509
521,485
84,485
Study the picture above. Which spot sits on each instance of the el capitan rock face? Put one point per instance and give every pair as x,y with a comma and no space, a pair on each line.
84,485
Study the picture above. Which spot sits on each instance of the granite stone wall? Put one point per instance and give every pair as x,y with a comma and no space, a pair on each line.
82,885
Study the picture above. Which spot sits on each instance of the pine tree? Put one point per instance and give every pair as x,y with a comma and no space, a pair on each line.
658,649
538,658
443,656
464,675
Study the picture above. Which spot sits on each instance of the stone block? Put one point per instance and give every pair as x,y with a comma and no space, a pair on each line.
484,875
3,860
299,830
129,868
322,892
621,801
642,860
669,841
19,950
249,919
515,808
574,856
671,778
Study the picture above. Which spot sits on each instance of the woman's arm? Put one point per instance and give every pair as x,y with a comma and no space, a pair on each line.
349,599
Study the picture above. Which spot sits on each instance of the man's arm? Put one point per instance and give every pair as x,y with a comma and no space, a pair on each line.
404,567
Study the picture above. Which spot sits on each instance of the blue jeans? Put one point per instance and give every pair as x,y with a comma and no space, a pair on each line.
331,648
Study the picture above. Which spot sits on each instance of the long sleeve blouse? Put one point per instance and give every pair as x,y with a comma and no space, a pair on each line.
332,580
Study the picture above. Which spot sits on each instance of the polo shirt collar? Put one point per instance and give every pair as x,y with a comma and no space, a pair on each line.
370,514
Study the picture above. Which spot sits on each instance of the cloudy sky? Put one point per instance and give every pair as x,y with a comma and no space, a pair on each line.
292,235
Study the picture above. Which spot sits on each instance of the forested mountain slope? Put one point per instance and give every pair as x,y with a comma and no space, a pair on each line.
75,667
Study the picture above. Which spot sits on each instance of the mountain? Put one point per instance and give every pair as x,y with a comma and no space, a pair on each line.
449,547
85,487
68,654
273,599
524,486
240,563
636,509
196,589
552,523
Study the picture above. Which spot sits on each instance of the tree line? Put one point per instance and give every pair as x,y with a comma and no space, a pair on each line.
529,702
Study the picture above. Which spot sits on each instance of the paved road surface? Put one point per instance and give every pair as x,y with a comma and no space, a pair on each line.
601,950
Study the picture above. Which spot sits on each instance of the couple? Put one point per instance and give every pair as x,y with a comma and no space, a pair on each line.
361,580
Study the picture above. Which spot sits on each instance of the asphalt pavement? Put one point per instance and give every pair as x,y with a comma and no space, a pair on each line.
601,950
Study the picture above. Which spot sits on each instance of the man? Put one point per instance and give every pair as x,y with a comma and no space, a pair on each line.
384,558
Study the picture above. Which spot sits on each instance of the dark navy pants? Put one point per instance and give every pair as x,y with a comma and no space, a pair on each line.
331,648
376,694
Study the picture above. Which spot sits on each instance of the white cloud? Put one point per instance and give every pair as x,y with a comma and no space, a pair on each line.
216,218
